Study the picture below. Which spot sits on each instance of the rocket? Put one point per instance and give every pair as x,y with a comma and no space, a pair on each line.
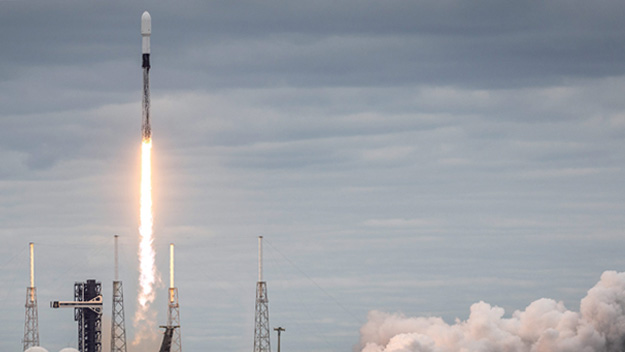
146,30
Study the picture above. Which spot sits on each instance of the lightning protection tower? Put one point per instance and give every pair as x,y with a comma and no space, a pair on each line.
118,324
261,321
31,323
173,313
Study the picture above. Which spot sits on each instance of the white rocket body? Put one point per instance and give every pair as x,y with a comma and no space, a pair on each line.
146,30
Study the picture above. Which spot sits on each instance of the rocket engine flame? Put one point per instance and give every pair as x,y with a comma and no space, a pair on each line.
144,321
147,276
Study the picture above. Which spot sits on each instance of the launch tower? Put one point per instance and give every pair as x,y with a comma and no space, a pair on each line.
31,323
261,326
87,306
118,324
89,320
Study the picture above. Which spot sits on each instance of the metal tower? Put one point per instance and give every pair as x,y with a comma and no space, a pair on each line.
261,321
31,322
89,321
173,313
118,324
87,306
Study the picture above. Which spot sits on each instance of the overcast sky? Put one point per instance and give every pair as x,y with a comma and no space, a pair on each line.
402,156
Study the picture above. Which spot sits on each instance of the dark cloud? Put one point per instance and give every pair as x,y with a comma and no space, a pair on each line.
219,44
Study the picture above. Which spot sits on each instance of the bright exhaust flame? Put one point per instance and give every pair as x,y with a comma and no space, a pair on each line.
144,320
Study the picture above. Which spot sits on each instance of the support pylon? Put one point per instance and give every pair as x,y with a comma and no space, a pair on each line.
118,325
261,320
31,326
31,321
118,322
173,320
173,312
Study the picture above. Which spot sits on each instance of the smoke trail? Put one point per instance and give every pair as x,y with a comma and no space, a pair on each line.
144,319
544,326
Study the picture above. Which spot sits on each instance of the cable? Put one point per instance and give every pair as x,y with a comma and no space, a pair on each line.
318,286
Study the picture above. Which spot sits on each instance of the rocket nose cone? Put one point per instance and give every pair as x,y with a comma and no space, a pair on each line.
146,23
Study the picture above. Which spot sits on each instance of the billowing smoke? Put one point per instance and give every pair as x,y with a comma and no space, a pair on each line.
36,349
544,326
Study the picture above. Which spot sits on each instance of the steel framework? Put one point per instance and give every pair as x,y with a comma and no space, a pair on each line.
89,321
262,341
118,322
173,320
118,325
173,311
31,324
31,321
261,326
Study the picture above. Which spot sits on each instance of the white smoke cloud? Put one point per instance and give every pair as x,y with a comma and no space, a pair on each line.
36,349
544,326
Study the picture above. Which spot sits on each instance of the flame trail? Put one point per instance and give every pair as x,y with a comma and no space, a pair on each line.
144,319
146,251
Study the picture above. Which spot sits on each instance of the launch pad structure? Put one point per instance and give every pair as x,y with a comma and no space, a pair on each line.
87,306
89,320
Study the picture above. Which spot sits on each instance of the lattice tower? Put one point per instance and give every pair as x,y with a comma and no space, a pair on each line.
262,341
173,312
31,321
118,322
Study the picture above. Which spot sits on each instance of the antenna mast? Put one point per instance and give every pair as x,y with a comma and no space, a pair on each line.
260,258
31,321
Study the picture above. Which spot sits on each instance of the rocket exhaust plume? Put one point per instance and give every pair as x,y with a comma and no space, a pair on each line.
144,319
544,326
